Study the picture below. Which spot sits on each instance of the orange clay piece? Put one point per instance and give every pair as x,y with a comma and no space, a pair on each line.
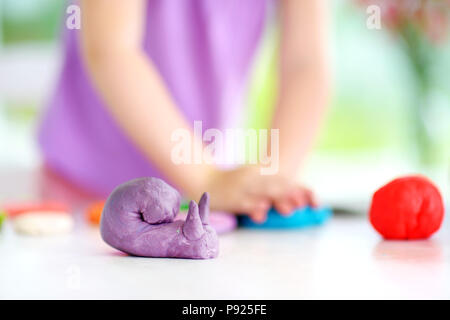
94,212
13,210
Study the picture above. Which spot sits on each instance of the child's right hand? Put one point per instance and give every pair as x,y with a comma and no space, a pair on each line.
246,191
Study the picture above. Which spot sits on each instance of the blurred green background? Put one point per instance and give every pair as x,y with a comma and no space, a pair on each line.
375,91
31,20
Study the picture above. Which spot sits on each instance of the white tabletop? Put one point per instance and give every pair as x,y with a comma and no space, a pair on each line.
343,259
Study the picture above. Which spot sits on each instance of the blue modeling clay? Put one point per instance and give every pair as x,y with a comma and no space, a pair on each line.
300,218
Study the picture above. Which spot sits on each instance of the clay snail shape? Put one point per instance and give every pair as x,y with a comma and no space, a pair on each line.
139,219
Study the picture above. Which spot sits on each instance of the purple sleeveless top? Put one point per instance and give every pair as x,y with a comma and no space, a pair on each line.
203,50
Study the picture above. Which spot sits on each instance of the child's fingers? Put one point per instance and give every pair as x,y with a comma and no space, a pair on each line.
257,208
258,216
296,198
251,205
284,206
310,198
299,197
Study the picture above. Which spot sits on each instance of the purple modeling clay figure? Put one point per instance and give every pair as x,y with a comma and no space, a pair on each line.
139,219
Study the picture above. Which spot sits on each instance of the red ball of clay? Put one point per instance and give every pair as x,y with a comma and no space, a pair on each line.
407,208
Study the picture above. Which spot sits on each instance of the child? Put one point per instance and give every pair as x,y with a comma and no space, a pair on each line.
137,70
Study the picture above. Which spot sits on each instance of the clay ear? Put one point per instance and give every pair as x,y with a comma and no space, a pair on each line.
192,227
203,206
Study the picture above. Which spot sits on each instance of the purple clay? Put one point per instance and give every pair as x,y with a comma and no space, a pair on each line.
138,219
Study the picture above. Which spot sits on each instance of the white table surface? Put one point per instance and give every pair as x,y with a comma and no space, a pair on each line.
343,259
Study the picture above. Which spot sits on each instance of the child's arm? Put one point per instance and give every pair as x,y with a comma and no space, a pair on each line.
137,98
303,79
111,36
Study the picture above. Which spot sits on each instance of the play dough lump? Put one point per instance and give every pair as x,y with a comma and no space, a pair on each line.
43,223
407,208
139,219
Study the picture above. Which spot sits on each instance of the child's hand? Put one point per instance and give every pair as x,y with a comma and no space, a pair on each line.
246,191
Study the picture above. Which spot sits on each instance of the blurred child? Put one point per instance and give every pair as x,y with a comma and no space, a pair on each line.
139,69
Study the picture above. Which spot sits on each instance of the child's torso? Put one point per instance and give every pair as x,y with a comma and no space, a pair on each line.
203,50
